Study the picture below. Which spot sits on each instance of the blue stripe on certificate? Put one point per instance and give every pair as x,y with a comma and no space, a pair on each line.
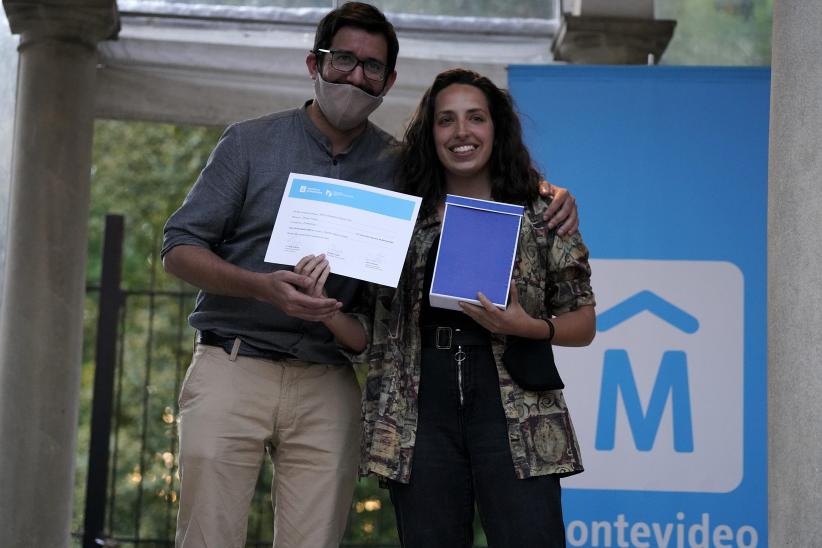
383,204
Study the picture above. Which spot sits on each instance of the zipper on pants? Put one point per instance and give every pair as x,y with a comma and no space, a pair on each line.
459,357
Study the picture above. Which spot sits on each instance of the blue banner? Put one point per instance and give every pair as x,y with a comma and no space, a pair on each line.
669,167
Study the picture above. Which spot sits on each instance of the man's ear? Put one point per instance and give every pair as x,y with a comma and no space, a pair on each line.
311,63
389,82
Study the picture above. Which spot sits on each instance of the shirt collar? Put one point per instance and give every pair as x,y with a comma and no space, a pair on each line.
322,139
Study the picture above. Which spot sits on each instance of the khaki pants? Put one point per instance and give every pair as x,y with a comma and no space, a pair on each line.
230,411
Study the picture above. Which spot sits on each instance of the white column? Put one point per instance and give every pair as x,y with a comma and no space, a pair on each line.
41,324
795,277
8,86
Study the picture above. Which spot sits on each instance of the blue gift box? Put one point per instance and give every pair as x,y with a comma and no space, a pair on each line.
477,249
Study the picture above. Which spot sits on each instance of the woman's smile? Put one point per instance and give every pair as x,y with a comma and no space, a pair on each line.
463,132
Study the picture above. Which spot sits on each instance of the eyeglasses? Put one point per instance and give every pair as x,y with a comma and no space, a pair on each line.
345,61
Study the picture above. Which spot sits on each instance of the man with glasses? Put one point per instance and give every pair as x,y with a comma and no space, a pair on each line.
266,375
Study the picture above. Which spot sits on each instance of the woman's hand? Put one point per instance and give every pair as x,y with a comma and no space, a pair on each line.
347,330
514,320
316,268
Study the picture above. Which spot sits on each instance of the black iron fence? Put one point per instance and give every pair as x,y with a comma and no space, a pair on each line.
127,481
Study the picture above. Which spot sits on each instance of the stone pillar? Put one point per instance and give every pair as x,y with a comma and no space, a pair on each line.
604,32
41,323
8,86
795,277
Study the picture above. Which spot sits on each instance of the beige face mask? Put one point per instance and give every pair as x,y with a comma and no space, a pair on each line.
345,106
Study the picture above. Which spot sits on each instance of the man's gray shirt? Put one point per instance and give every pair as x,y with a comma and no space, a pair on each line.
232,207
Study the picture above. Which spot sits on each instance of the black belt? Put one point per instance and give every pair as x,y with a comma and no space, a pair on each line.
445,338
209,338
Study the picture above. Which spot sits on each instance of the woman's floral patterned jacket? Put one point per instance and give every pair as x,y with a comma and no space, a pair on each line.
552,277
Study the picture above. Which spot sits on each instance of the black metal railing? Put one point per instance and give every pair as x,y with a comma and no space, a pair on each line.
127,486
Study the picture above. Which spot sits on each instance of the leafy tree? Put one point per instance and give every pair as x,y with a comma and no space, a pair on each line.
141,171
718,32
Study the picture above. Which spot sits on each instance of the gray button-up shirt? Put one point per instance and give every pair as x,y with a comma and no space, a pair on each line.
232,207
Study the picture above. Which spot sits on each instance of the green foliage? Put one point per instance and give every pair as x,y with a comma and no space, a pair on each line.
142,171
718,32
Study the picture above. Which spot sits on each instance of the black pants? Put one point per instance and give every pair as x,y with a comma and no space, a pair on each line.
462,457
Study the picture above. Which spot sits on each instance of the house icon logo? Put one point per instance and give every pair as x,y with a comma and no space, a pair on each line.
650,302
656,400
671,384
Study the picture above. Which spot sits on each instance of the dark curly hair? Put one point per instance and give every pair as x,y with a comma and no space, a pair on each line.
513,176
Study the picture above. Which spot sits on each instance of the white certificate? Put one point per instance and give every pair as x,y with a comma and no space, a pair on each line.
364,231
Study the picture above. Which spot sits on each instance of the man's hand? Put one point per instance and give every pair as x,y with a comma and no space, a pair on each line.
292,293
202,268
562,212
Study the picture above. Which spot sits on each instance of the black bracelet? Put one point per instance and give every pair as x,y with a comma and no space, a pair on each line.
550,330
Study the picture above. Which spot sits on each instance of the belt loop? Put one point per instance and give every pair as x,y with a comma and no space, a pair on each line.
235,350
446,346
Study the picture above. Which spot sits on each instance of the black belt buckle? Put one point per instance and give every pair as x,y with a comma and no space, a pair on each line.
209,338
449,335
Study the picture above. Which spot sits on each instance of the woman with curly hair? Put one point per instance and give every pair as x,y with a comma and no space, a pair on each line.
444,423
